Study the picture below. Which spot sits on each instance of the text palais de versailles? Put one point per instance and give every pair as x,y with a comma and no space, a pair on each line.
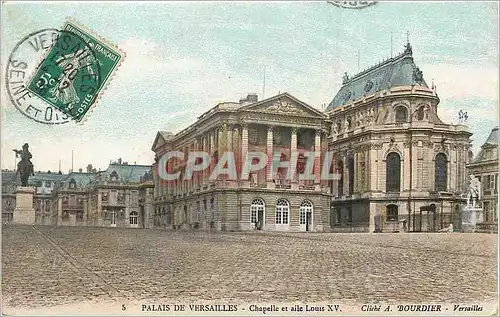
401,167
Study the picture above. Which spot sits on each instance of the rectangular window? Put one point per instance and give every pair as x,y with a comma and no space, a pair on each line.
338,217
285,217
302,218
278,217
492,181
204,204
253,215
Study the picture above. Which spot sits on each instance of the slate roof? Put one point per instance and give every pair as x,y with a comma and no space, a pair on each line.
42,176
82,180
492,141
127,173
493,138
393,72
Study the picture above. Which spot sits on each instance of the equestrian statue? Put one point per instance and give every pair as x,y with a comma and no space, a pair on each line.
24,167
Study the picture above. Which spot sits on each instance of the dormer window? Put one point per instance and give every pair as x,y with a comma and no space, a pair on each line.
72,183
114,176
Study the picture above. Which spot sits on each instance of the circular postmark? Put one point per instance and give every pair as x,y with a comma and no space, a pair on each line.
70,65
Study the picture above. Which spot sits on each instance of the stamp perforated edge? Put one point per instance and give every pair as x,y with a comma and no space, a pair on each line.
104,84
111,75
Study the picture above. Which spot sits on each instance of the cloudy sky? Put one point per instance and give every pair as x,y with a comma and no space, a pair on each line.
183,58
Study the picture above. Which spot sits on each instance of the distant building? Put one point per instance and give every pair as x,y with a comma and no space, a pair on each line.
43,183
485,168
120,196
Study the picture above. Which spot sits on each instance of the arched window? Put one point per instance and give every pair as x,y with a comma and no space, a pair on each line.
350,168
340,182
401,114
257,206
441,179
393,172
114,176
72,183
282,211
420,113
133,218
305,212
392,212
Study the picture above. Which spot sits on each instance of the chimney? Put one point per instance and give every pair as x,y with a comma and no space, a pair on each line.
252,97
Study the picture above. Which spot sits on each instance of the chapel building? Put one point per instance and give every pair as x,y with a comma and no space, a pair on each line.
402,167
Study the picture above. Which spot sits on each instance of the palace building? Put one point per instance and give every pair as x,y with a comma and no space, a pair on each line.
485,168
400,166
278,125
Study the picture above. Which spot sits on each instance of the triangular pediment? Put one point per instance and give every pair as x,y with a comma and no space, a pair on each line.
284,104
161,139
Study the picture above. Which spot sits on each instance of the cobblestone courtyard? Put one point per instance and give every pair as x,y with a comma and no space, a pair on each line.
45,266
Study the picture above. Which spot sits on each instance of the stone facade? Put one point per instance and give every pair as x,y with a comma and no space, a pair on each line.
279,126
485,168
120,196
402,168
43,183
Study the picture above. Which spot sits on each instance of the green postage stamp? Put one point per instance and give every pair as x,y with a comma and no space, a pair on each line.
75,71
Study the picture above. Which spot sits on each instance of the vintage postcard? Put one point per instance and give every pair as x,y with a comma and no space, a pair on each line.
315,158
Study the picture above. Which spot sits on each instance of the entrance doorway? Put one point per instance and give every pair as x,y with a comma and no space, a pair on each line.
113,219
257,214
305,216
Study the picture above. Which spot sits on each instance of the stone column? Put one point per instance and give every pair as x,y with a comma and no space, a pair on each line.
59,210
85,211
269,176
203,173
222,133
317,160
229,148
294,154
211,151
244,152
99,209
406,166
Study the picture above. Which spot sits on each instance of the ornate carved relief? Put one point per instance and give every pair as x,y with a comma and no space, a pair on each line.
284,106
441,147
376,146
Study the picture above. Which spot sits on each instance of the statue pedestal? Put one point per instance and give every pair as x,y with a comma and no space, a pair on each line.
24,213
470,217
